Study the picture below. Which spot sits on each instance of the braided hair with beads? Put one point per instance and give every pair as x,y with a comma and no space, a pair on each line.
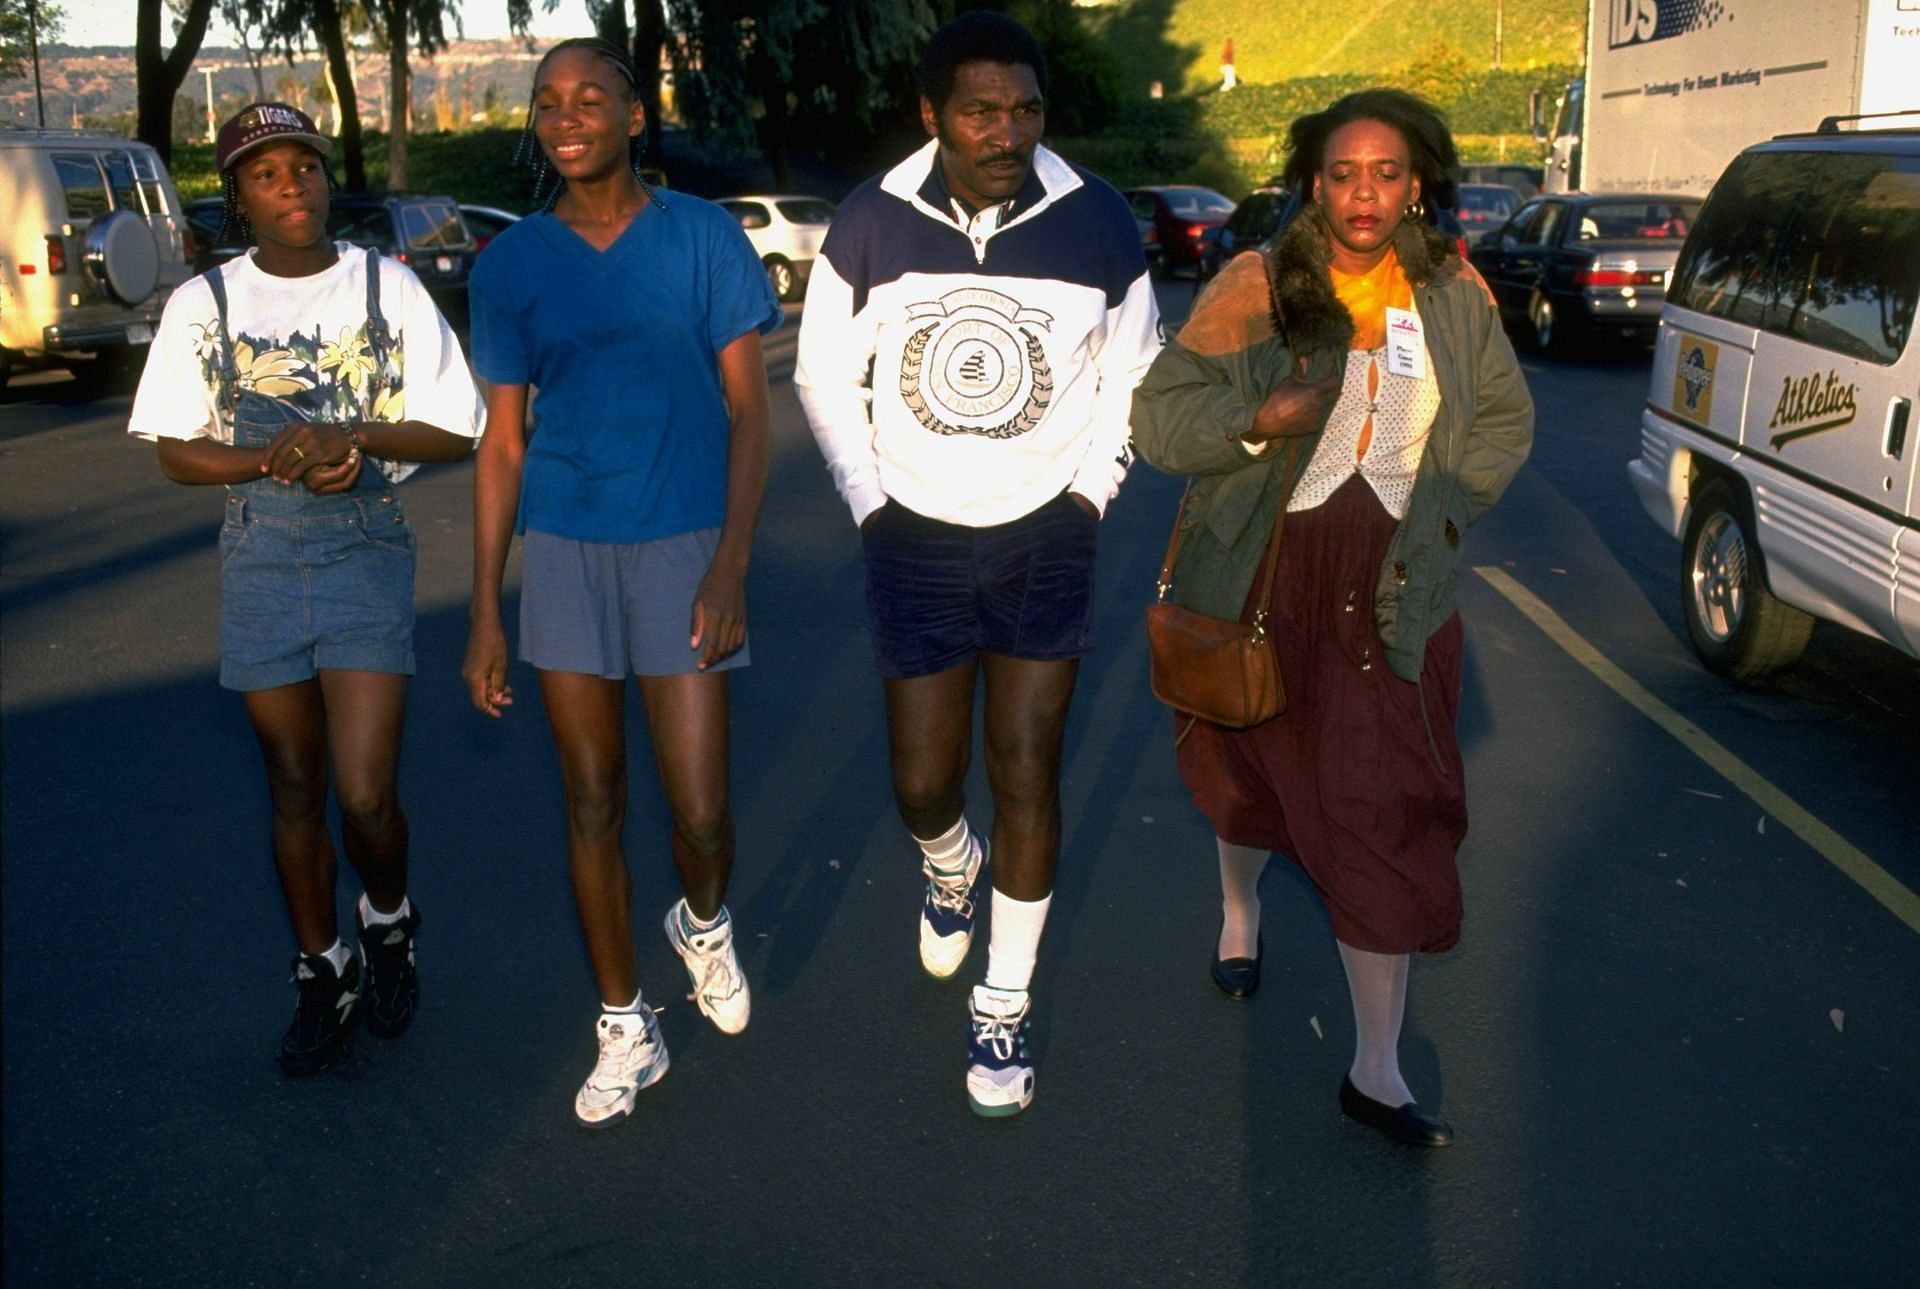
528,151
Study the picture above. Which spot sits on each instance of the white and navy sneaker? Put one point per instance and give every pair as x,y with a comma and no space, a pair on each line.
393,985
719,986
632,1056
947,913
323,1018
999,1070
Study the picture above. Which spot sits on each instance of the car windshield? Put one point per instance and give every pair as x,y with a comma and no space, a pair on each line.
1196,203
432,226
1637,219
806,211
1486,204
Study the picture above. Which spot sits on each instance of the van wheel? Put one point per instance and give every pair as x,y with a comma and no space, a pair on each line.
781,277
1738,628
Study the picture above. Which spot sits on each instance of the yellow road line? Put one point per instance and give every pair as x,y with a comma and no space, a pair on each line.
1837,850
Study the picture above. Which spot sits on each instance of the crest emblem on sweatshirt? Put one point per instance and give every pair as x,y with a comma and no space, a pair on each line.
974,364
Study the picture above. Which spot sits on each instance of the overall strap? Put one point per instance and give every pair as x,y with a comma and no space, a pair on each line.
229,374
379,336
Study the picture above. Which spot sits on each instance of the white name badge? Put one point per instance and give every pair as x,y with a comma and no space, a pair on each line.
1406,352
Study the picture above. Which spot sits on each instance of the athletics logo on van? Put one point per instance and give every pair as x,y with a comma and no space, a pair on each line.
1693,378
1810,405
1636,22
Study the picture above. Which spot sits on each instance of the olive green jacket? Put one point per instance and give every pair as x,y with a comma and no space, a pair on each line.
1201,393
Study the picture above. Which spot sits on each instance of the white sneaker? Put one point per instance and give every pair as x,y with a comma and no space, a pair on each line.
999,1070
719,986
947,914
632,1056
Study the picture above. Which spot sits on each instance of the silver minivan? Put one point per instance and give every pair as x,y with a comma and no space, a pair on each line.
1778,440
92,241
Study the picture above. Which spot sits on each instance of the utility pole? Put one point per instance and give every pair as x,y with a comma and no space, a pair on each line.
208,73
33,42
1499,32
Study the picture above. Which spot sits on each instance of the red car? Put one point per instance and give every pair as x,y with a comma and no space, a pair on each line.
1175,220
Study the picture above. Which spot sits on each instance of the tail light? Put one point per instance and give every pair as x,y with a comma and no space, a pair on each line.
1153,237
1619,277
56,253
1196,231
1461,242
188,246
405,257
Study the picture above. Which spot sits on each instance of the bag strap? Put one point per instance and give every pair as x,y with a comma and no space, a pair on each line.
1165,582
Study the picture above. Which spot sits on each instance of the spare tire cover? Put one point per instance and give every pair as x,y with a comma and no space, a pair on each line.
122,254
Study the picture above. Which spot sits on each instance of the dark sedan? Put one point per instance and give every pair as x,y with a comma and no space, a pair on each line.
1258,218
1175,220
1579,263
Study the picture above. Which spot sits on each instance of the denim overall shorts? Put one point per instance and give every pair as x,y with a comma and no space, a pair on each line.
309,582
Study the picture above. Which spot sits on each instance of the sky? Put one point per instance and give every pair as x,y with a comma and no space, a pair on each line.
111,22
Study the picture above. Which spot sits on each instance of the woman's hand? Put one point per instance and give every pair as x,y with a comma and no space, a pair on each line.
485,669
325,480
719,616
1297,407
304,446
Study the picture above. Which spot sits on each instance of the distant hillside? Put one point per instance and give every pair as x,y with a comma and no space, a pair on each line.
1180,41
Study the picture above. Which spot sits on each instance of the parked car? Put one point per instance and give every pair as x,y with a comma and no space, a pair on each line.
1174,221
1526,180
1580,263
92,241
786,231
424,232
1256,221
1485,207
486,223
1777,442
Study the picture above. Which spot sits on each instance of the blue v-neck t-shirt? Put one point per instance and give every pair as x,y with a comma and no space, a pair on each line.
628,428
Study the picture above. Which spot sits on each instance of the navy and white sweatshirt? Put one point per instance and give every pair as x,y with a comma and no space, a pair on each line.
974,368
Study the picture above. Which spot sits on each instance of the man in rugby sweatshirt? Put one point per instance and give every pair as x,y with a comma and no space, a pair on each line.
975,325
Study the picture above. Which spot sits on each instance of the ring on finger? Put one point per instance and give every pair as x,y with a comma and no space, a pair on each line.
299,455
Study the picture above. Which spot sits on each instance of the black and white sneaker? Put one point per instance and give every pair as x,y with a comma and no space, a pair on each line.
393,986
324,1016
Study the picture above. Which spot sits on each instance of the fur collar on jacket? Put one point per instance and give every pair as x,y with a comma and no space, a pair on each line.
1235,311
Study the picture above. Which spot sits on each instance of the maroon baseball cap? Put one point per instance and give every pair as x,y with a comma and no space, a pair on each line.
259,123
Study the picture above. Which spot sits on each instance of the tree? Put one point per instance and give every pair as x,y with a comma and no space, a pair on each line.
17,34
288,23
798,66
405,24
235,13
158,75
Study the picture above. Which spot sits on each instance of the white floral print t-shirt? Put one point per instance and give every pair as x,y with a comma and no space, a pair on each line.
304,341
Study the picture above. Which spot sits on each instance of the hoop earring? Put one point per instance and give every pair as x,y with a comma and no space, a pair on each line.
1416,210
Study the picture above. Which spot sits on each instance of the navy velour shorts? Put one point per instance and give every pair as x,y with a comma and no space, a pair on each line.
939,593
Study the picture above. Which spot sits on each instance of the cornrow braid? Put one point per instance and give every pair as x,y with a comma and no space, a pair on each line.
528,152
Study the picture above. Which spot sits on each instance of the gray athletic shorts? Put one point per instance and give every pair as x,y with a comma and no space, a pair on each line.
614,610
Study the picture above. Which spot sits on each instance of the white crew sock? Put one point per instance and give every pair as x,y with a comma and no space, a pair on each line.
693,925
338,954
1016,940
631,1009
949,851
370,916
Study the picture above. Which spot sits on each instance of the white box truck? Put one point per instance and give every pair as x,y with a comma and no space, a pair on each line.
1676,88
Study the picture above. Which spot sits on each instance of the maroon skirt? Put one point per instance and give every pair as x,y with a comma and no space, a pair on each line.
1345,781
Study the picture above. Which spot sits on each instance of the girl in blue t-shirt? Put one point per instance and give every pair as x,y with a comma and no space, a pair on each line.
635,317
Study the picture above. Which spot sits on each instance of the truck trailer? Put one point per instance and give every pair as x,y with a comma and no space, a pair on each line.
1674,89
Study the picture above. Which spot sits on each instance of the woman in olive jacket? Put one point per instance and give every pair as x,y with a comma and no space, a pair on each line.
1411,417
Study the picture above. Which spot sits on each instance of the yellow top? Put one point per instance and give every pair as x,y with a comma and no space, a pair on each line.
1367,297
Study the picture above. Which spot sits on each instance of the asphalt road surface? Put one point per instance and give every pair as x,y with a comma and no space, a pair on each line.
1679,1043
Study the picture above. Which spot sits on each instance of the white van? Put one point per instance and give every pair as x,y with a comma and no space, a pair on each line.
92,241
1778,441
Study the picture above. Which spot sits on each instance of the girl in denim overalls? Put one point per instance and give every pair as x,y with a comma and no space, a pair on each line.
297,376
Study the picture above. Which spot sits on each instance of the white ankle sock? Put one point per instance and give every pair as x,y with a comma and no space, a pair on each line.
1016,940
692,925
631,1009
370,916
338,954
951,849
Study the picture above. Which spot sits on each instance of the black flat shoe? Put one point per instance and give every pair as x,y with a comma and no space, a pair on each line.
1238,977
1404,1124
